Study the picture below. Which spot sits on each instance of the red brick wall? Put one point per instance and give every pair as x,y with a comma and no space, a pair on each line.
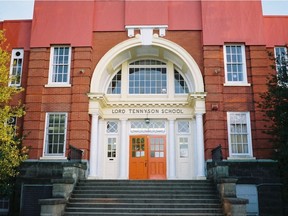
234,98
74,100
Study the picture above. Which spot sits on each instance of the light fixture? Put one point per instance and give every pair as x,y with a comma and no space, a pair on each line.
147,120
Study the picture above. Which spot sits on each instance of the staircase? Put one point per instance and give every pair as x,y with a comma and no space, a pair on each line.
157,198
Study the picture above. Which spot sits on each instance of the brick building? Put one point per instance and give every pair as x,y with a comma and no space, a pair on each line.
146,90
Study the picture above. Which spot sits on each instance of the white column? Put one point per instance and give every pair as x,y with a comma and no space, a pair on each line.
172,150
93,146
200,147
123,154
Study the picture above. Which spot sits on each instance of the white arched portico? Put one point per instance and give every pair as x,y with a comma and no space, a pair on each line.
125,108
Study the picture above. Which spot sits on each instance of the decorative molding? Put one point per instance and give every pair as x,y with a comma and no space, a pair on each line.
146,32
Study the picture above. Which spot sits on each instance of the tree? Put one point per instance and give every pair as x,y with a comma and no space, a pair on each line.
274,104
11,151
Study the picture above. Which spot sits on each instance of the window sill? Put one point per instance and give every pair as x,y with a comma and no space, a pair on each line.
236,84
241,158
53,158
60,85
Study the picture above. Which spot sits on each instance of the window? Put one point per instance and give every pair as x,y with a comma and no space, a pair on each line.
183,127
112,127
59,71
12,121
115,84
150,77
183,147
56,127
155,126
180,84
4,205
280,57
235,64
16,67
239,134
111,151
147,77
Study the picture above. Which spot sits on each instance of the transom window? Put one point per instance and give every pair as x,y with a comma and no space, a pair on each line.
150,77
183,127
147,77
115,84
112,127
180,84
155,126
239,134
59,71
235,64
56,127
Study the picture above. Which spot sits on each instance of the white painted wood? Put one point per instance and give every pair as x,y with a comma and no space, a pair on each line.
93,146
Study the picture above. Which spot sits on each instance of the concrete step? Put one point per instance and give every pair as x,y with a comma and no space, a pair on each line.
144,210
144,200
140,214
156,197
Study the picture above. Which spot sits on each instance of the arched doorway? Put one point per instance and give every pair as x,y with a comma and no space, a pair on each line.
147,91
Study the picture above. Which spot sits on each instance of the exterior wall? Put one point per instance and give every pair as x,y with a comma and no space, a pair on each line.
194,30
235,98
41,99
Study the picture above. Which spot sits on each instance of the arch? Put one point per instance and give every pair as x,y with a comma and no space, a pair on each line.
122,52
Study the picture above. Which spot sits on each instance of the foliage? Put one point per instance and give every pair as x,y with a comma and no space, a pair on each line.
11,151
274,104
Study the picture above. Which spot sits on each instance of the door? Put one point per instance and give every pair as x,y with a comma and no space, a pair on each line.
138,168
157,157
147,157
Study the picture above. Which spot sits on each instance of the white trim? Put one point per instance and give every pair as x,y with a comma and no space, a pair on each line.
51,61
236,84
249,154
60,85
54,156
101,72
244,67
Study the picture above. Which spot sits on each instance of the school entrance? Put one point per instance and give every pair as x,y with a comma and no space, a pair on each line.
147,157
146,105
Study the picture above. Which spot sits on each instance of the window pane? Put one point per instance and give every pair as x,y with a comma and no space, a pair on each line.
238,133
180,84
16,67
144,79
234,63
61,64
56,133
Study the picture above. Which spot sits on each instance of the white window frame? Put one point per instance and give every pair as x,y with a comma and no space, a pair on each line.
52,83
116,147
116,123
244,82
138,64
46,134
14,57
249,154
178,126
